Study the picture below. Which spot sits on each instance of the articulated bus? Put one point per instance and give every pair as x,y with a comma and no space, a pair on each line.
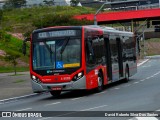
80,57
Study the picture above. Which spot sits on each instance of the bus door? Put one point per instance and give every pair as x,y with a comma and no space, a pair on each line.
108,58
120,58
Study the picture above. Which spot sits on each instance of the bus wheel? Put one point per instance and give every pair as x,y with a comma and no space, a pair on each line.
100,83
126,75
56,93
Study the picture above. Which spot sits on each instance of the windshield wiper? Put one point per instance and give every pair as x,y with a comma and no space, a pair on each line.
50,50
64,45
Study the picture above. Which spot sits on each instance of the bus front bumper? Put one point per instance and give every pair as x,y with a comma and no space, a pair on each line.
73,85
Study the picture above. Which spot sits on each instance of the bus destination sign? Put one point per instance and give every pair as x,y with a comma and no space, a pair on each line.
61,33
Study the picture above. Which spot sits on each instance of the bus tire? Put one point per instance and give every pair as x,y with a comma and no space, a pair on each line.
100,82
126,79
55,93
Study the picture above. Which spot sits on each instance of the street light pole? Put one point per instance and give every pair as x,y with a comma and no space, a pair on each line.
95,20
95,15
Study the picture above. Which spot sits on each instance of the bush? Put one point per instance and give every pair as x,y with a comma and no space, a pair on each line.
58,20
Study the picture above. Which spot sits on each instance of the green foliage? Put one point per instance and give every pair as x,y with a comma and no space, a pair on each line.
12,45
10,69
12,57
58,20
23,19
4,37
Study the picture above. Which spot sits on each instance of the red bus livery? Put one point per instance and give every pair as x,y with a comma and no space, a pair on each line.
80,57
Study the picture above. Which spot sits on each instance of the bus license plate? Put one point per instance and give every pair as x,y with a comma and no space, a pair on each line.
56,88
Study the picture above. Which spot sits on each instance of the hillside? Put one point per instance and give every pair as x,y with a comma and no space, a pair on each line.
19,23
10,45
23,20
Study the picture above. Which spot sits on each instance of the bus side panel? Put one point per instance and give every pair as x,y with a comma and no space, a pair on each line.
92,77
91,80
94,44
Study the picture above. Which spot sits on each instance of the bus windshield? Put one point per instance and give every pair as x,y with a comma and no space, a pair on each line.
57,54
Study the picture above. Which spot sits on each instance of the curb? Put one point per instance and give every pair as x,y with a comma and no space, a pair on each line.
143,62
18,98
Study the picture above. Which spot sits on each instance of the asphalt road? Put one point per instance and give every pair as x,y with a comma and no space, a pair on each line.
141,93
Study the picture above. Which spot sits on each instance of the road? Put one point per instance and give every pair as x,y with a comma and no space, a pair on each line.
141,93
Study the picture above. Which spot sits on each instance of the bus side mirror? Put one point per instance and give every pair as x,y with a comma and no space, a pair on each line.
24,46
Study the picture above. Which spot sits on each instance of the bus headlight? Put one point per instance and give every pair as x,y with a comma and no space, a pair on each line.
35,79
78,76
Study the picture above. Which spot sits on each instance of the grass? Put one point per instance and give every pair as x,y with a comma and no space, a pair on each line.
21,19
10,69
9,43
153,40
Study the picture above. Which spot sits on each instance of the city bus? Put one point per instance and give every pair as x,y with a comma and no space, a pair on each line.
69,58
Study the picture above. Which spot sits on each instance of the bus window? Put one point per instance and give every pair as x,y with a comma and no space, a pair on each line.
90,56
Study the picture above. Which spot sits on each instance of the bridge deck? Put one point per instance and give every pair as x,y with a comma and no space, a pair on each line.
122,16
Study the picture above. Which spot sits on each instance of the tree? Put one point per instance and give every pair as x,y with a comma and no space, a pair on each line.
1,16
49,3
14,3
12,58
74,3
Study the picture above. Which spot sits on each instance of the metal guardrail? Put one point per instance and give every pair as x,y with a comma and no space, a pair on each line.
140,7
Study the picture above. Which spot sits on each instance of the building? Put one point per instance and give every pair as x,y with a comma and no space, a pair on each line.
62,2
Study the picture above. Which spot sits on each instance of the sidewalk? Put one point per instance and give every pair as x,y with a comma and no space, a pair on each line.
14,86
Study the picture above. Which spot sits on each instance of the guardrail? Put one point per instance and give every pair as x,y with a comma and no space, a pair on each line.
139,7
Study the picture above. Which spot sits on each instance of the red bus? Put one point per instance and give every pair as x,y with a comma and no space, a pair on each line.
80,57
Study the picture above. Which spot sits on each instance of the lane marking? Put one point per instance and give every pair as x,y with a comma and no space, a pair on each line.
127,85
144,118
153,75
24,109
44,118
142,80
20,97
77,98
117,88
148,77
100,93
94,108
52,103
158,110
74,112
135,82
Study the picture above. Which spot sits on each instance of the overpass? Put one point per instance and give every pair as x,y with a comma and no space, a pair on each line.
122,16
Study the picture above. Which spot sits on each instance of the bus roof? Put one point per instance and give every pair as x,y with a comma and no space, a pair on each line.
104,28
